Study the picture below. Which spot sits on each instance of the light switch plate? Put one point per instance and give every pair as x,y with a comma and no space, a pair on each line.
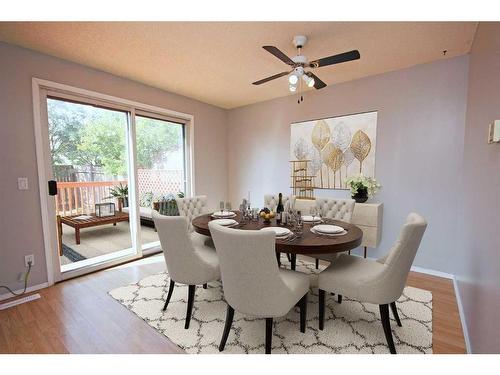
22,183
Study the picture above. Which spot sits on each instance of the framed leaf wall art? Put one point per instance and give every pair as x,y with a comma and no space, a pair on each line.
336,148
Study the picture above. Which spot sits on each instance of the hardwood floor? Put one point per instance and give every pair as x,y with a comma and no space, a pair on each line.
77,316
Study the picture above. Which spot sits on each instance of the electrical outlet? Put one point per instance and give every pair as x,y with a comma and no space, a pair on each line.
28,259
22,183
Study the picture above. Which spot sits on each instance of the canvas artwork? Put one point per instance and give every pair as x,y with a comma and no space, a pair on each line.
335,148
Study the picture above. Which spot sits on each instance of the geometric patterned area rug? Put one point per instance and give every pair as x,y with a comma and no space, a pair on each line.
350,327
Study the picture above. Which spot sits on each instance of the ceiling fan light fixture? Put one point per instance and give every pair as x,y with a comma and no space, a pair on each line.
292,88
293,79
308,80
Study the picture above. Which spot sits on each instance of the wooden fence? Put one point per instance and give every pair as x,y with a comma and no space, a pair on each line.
76,198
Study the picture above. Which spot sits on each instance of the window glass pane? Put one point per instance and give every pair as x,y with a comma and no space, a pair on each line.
89,159
160,165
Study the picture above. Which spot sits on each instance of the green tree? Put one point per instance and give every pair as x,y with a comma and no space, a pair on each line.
65,121
102,143
83,135
155,139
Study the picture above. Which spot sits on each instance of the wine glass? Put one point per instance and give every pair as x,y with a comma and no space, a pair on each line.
221,206
312,211
228,206
299,226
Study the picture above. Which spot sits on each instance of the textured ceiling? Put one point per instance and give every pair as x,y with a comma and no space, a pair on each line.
216,62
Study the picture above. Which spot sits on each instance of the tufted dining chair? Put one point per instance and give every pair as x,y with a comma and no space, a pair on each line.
375,281
187,262
337,209
192,208
252,281
271,201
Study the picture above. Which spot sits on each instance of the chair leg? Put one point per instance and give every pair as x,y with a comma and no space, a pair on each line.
289,257
321,309
317,263
339,298
269,334
189,310
278,258
170,290
365,252
303,313
384,315
205,286
293,261
227,327
395,313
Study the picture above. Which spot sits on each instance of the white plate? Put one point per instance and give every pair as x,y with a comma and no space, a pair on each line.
329,235
280,232
328,229
310,219
224,222
225,214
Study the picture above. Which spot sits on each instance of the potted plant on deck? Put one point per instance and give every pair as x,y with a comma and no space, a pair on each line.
120,192
168,205
362,187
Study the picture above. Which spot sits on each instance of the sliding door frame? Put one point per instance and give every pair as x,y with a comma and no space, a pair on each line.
40,88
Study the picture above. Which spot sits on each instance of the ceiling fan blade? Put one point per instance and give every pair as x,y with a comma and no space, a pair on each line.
280,55
318,84
264,80
335,59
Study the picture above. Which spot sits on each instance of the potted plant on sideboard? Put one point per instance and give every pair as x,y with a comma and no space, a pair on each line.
362,187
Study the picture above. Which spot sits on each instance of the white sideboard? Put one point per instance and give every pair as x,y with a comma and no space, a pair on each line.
368,217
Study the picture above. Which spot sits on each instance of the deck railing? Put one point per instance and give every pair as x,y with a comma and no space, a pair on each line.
76,198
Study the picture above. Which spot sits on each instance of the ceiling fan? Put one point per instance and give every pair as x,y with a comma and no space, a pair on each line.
299,64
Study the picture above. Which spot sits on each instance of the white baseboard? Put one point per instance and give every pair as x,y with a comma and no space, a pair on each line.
462,316
457,296
29,289
428,271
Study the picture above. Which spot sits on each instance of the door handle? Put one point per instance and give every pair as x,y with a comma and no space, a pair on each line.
52,187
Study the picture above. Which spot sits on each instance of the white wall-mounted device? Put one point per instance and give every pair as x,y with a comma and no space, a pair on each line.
494,132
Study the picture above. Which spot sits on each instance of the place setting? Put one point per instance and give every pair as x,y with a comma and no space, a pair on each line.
282,233
225,212
328,230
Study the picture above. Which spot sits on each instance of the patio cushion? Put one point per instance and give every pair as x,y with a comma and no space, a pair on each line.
144,212
146,199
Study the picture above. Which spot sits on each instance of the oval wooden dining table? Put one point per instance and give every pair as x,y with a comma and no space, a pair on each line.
308,243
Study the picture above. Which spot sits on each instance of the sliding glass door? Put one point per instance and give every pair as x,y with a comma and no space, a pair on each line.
108,163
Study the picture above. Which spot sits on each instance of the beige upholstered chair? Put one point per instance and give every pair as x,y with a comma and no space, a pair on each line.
187,262
338,209
380,282
192,208
271,201
252,281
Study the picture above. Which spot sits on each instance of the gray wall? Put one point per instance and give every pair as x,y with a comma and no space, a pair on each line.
20,220
479,272
420,132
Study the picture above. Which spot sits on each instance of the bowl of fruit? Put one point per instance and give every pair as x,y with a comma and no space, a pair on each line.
267,215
